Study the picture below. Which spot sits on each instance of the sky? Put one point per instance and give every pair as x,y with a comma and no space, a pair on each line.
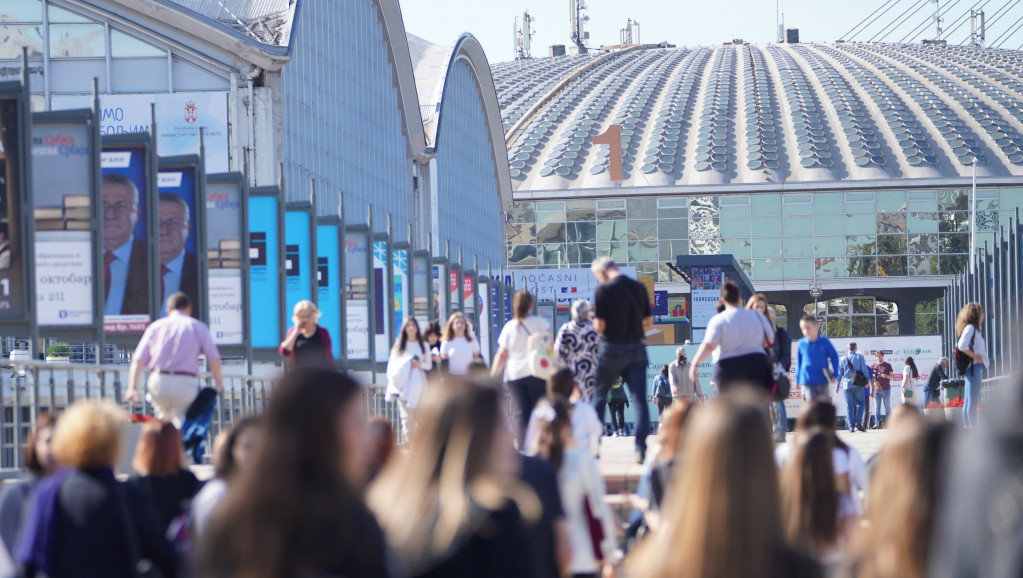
680,22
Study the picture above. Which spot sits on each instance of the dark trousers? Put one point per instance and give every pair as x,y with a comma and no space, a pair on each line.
865,422
752,369
931,394
617,414
628,361
662,404
525,393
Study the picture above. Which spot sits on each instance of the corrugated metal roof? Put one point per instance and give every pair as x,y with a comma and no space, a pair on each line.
268,21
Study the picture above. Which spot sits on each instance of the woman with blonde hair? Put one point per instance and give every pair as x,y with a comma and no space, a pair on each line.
451,507
307,344
722,516
904,499
82,521
972,344
406,371
458,349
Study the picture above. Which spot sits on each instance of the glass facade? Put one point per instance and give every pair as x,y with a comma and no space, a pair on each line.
773,236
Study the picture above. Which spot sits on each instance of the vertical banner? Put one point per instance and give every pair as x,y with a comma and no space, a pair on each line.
356,294
422,283
483,316
63,174
469,299
126,194
224,198
455,287
496,306
177,213
328,281
12,243
264,269
383,302
297,258
441,301
706,292
401,287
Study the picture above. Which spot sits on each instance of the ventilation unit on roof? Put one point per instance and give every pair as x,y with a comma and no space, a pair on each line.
792,35
935,42
557,50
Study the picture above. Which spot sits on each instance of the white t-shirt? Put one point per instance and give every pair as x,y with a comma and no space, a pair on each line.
908,383
979,345
737,332
459,352
515,339
586,426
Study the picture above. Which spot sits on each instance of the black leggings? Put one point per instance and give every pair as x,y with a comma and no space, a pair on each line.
662,404
525,392
617,411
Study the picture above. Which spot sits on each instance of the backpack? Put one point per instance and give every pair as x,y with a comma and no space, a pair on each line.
858,378
543,361
963,361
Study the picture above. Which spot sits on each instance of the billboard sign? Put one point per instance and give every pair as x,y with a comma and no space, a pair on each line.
706,292
383,300
12,163
328,281
265,270
178,219
224,258
356,295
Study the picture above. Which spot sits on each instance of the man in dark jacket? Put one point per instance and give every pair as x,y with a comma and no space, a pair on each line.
933,387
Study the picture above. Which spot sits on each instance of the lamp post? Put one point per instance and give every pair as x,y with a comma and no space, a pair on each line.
816,292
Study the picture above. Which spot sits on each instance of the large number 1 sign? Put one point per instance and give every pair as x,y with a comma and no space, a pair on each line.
613,138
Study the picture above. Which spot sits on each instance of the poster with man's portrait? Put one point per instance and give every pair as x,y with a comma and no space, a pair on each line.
125,251
176,211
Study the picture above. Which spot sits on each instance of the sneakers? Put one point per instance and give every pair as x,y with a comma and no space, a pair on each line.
640,456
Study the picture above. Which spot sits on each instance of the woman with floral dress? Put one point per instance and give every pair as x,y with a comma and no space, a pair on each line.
577,344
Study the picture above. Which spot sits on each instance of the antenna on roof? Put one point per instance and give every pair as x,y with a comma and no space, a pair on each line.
937,17
577,19
630,34
524,36
975,38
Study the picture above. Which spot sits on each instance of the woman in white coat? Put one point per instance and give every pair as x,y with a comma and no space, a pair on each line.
406,372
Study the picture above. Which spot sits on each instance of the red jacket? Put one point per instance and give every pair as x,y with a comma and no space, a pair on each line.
328,348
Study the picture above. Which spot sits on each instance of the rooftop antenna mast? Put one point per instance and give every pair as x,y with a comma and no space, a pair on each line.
577,19
977,39
937,17
524,37
630,34
779,23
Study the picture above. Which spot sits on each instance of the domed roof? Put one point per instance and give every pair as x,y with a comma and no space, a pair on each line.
779,113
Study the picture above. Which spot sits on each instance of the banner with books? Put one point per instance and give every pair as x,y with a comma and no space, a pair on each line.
224,202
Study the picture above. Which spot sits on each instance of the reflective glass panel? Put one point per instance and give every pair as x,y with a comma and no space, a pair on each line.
891,266
797,226
519,234
735,227
829,246
522,213
953,264
954,243
671,249
611,231
891,201
923,265
642,208
59,15
738,248
672,228
860,224
21,11
832,267
828,203
551,233
765,205
77,41
891,223
860,245
891,244
17,36
582,232
863,267
954,222
767,248
829,224
522,255
954,200
923,222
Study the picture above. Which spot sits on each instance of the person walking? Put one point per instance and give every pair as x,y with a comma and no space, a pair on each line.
591,525
170,349
617,401
298,509
881,388
406,371
513,358
233,453
662,391
939,373
307,343
578,344
911,393
16,495
586,426
727,453
683,387
740,338
458,349
82,521
853,376
812,357
432,335
622,315
781,349
972,344
160,471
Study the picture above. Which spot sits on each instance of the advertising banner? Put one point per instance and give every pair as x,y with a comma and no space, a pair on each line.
12,265
177,214
264,259
660,308
562,286
382,307
62,177
125,194
356,296
225,302
328,281
706,292
455,288
469,298
421,283
298,277
178,118
224,260
483,323
401,287
441,303
677,310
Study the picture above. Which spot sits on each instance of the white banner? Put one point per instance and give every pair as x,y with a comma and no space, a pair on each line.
225,294
64,282
357,329
560,285
704,306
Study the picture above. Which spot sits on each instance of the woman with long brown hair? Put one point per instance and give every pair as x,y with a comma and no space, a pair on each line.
513,358
161,473
902,508
722,516
297,510
39,463
809,499
451,506
972,344
458,349
406,371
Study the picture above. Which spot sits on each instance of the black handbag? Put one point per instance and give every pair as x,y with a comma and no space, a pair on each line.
963,361
780,384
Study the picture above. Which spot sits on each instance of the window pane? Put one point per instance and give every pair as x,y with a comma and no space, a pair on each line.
838,327
954,243
769,204
923,265
522,213
672,249
767,248
829,224
673,213
863,306
735,211
798,247
922,244
829,246
797,226
642,230
60,15
926,324
581,253
832,267
738,248
891,223
642,250
617,251
953,264
582,232
550,254
923,222
863,267
891,266
954,222
522,255
551,233
799,268
863,326
519,234
828,203
21,11
891,201
642,208
672,228
891,244
767,269
77,41
860,245
864,224
610,212
838,307
581,211
735,227
18,36
954,200
611,231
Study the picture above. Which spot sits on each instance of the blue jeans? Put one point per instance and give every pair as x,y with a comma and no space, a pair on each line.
626,360
882,396
855,399
974,377
782,425
822,390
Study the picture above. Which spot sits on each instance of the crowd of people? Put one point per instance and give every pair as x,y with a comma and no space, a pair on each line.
312,487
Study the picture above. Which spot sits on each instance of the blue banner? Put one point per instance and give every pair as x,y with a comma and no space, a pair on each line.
176,214
125,195
296,258
328,271
264,293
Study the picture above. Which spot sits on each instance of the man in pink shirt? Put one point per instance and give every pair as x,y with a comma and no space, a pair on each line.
170,349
